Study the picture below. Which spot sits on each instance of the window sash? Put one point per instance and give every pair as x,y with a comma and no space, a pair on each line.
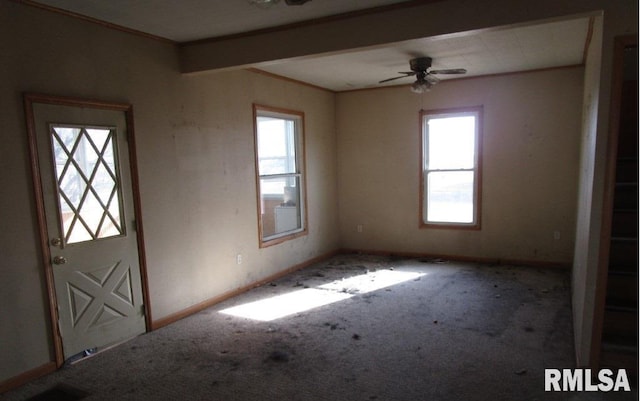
287,178
277,143
446,206
280,174
439,137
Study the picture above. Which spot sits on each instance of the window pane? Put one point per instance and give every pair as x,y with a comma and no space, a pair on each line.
87,180
276,146
451,142
279,162
279,205
450,197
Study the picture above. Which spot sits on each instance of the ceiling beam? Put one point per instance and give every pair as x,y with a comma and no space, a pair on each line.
367,30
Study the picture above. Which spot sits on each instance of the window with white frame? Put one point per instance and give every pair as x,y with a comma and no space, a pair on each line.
279,143
451,168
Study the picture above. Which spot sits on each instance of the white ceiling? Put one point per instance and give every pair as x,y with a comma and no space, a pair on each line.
487,52
187,20
494,51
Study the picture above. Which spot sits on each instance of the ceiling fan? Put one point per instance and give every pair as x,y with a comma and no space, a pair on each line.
425,79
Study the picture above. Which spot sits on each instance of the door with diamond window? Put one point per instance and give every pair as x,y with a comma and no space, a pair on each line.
88,204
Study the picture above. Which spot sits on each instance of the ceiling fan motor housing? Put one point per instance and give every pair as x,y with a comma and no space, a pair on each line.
420,64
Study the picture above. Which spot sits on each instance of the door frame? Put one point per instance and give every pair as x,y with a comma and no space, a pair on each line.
617,77
29,100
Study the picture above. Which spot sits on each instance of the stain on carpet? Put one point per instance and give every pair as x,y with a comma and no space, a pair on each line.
278,356
60,392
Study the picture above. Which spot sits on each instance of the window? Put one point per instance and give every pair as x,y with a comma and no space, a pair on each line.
88,182
279,142
450,180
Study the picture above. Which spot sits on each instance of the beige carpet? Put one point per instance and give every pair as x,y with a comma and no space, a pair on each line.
389,329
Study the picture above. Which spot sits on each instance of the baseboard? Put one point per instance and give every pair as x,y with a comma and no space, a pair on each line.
27,376
50,367
458,258
223,297
165,321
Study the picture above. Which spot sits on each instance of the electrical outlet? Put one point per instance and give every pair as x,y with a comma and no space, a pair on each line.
359,228
556,235
239,259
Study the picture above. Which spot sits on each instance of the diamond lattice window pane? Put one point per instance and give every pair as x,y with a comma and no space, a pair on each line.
90,212
108,229
104,184
85,156
66,137
73,186
108,155
78,233
88,186
99,136
114,214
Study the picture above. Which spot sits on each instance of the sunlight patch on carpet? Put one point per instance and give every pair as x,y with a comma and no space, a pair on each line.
283,305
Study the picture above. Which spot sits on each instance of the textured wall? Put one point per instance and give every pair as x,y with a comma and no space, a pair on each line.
204,209
531,144
43,52
194,137
193,129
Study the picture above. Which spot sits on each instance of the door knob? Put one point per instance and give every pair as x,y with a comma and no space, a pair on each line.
59,260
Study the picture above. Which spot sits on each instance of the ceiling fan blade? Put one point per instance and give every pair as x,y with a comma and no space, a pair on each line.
451,71
407,74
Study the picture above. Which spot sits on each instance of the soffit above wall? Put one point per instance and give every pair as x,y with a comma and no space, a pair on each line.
521,47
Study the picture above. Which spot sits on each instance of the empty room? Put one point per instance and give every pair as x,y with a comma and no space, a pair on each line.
423,199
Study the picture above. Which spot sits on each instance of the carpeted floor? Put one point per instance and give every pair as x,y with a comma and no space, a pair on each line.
389,329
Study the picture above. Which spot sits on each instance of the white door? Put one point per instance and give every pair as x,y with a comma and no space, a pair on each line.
89,210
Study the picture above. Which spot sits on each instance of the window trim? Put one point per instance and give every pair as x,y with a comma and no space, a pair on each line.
301,161
476,225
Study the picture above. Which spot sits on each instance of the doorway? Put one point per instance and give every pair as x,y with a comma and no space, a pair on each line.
85,182
615,329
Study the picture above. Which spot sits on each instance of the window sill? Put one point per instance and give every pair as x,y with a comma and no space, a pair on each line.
450,226
284,238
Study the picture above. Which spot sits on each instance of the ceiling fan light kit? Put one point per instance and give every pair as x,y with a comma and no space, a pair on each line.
425,76
421,87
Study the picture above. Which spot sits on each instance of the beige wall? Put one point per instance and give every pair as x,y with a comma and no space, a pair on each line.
46,53
619,17
201,177
194,137
530,167
193,129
